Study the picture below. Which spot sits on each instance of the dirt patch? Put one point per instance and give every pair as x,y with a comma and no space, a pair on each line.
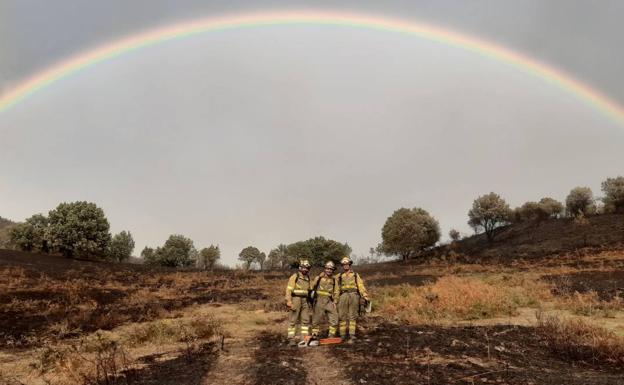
321,369
607,284
276,363
465,355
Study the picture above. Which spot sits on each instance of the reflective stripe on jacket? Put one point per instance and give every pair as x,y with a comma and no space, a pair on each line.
326,286
351,282
298,286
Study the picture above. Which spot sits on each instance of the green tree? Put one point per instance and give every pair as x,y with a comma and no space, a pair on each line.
489,212
208,257
79,228
261,259
408,232
454,235
538,212
531,212
149,255
178,251
579,201
249,255
317,250
121,246
613,188
32,234
278,257
551,207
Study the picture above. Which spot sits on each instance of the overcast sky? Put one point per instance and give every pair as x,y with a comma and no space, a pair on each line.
277,134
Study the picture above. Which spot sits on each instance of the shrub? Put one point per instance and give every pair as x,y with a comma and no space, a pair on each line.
454,298
91,361
172,330
579,340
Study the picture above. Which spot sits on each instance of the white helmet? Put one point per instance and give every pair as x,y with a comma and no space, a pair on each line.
346,260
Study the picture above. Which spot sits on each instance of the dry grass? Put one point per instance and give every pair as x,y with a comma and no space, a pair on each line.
171,330
580,340
74,302
90,361
454,298
589,304
173,312
105,358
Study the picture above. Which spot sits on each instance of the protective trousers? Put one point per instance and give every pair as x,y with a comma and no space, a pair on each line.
299,314
324,305
348,309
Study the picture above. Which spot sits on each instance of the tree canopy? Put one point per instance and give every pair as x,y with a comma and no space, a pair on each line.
32,235
249,255
489,212
613,188
580,201
79,228
317,251
407,232
178,251
278,257
208,257
121,246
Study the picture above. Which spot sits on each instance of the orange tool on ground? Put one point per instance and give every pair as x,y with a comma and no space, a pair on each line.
309,341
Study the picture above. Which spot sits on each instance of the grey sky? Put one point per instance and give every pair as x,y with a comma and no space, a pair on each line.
282,133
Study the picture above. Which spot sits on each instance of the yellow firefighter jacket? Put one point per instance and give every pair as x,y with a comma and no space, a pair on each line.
298,286
325,286
351,282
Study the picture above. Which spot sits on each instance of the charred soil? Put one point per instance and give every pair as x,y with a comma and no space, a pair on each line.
394,354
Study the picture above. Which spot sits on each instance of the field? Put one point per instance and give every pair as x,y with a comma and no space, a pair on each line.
556,320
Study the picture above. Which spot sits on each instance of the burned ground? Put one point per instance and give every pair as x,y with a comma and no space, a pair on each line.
276,363
416,280
189,367
607,284
551,237
395,354
54,297
47,300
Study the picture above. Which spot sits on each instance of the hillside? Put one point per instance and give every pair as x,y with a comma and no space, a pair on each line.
551,237
541,321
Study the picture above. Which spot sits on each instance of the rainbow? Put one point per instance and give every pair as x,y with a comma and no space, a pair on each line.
448,37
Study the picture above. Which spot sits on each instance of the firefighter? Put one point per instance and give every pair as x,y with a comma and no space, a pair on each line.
297,294
351,289
325,296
